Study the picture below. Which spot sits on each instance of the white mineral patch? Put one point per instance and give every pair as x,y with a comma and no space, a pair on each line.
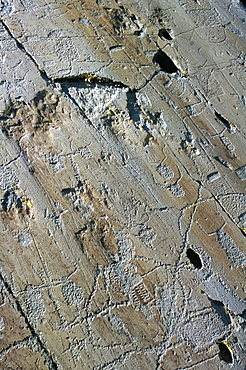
72,294
176,190
165,171
25,239
7,177
34,303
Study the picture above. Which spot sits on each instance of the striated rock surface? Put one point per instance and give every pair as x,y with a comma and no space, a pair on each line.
122,185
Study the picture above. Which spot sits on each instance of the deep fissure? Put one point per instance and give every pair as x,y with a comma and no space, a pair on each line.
52,364
165,62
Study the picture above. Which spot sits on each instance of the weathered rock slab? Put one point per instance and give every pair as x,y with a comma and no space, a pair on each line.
122,185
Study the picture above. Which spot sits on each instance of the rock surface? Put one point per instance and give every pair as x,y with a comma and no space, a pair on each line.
122,184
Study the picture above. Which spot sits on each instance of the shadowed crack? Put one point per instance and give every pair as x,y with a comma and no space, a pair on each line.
35,338
22,48
87,79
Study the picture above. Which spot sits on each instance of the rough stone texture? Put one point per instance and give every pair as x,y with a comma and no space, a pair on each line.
122,185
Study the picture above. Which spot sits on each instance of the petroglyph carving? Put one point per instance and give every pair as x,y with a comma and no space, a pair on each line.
122,175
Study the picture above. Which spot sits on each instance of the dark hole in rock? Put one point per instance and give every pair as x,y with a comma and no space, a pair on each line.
165,62
194,258
221,118
243,2
230,126
219,308
68,191
164,34
225,353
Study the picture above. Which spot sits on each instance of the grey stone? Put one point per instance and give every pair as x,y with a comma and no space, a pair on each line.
122,125
241,172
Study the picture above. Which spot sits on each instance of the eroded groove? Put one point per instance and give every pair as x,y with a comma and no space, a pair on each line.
22,48
87,79
230,126
16,344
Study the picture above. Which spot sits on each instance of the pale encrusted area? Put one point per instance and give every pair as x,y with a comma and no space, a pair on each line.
122,185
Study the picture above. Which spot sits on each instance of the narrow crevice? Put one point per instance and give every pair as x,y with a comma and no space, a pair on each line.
22,48
88,79
91,79
132,106
146,82
230,126
222,161
51,362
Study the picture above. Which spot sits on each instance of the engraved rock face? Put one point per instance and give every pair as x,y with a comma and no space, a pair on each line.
122,185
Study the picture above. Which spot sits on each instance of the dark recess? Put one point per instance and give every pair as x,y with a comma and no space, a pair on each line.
243,2
10,199
164,34
219,308
222,119
132,106
194,258
243,315
68,191
230,126
225,353
165,62
87,80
